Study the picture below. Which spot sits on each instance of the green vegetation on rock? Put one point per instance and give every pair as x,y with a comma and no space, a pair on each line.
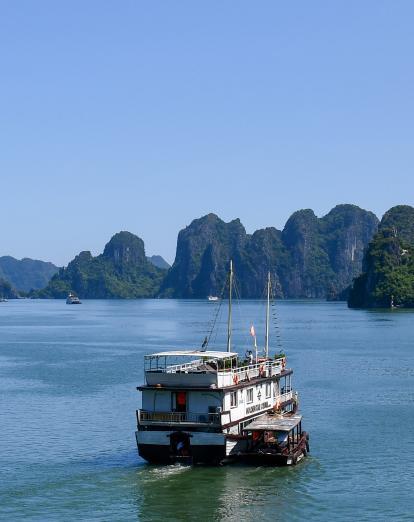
388,269
121,271
312,257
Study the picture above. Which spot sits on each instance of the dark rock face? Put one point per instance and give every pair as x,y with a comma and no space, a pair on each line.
311,258
203,252
387,277
124,250
122,271
309,270
347,230
264,250
26,274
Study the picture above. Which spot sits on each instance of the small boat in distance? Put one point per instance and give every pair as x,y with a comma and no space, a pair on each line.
72,299
213,298
3,300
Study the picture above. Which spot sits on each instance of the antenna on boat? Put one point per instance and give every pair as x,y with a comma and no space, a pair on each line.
230,296
267,317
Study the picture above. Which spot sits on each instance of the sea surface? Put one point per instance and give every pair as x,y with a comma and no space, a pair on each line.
68,377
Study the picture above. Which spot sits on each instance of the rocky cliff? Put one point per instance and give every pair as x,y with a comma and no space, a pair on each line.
311,257
121,271
204,249
387,277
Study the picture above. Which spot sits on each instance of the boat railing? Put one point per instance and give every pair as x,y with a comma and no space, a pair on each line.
178,368
284,397
193,365
251,371
144,416
206,373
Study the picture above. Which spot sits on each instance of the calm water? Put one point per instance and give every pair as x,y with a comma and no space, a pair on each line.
67,415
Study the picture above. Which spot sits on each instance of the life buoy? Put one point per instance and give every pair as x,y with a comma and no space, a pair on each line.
236,379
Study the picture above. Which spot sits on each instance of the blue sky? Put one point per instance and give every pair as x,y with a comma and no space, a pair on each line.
142,116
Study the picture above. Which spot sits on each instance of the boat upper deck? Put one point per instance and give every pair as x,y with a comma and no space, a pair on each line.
206,369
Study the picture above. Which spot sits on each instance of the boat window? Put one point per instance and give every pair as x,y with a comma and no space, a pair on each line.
268,390
233,399
249,393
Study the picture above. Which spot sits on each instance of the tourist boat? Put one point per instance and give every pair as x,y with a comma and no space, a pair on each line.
72,299
213,407
213,298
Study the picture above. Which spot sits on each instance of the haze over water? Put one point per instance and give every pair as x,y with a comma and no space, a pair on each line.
68,399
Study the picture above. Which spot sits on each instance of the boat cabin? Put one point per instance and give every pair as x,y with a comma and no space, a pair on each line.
206,368
210,388
273,437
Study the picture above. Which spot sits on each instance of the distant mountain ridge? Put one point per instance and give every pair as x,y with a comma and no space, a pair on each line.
26,274
311,258
121,271
159,262
387,277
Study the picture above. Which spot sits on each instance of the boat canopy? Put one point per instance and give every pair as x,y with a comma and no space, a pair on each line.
193,353
268,422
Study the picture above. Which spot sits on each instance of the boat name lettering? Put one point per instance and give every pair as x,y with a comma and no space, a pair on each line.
257,407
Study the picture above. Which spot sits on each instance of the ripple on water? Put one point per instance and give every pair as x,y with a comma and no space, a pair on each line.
67,417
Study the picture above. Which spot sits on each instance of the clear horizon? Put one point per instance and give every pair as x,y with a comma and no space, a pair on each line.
143,117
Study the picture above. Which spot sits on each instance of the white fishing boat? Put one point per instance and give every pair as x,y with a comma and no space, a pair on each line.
72,299
213,298
202,406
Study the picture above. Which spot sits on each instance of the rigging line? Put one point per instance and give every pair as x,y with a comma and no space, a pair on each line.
218,308
214,321
240,311
264,306
276,320
217,329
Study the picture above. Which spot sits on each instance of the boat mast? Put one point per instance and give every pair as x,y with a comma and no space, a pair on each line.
230,296
267,316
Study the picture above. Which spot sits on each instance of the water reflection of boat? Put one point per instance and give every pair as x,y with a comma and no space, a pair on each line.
72,299
201,406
